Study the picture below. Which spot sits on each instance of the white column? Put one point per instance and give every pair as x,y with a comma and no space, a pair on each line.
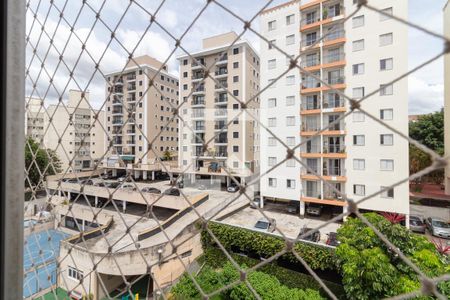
407,221
96,201
302,209
124,206
144,175
59,193
153,175
136,174
228,181
114,172
211,180
345,209
261,202
68,196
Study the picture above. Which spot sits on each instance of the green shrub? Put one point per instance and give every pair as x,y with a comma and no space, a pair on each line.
316,256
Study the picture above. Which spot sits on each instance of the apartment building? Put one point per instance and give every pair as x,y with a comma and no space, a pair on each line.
34,119
74,133
447,97
136,113
356,156
211,112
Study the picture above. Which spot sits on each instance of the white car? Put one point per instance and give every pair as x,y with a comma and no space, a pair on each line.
232,188
128,187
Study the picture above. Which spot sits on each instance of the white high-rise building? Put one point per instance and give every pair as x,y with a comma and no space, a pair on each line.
357,156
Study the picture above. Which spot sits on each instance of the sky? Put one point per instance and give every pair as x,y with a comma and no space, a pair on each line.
135,33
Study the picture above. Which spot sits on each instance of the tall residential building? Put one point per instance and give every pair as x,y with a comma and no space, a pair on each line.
74,133
34,119
209,108
136,113
357,156
447,96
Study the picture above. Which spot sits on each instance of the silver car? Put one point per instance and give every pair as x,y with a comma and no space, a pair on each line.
438,227
265,225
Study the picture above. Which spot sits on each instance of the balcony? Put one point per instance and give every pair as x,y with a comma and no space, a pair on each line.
199,128
221,140
334,151
333,59
131,77
131,87
222,59
198,76
311,43
198,114
131,142
117,111
310,62
334,37
221,99
220,126
117,102
131,131
221,113
117,122
198,64
198,102
119,82
222,85
221,72
198,89
310,108
310,85
131,99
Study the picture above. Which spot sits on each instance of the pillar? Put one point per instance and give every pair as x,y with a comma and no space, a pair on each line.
153,175
407,221
345,210
193,178
302,209
68,196
59,193
211,180
124,206
114,172
261,202
144,175
96,201
228,181
136,174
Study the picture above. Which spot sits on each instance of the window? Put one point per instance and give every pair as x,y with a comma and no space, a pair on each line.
389,193
386,114
185,74
290,80
387,165
75,274
387,11
359,189
272,141
272,102
386,64
358,21
185,148
272,25
235,148
235,106
290,100
290,121
386,139
235,134
272,122
271,64
359,164
272,161
272,182
290,141
235,164
290,19
358,116
185,87
358,69
386,39
358,92
359,140
236,65
358,45
290,163
235,78
386,89
236,93
290,39
290,183
236,51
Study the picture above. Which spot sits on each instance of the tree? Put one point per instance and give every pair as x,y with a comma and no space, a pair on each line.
371,270
39,163
429,130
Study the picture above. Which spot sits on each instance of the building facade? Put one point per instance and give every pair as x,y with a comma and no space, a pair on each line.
137,112
356,156
211,112
34,119
447,97
74,134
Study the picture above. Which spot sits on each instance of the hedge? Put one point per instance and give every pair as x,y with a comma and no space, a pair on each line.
216,259
316,256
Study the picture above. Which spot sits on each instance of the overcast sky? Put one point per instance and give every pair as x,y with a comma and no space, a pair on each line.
425,86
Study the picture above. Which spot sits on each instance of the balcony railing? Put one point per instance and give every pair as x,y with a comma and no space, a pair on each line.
313,194
221,72
221,99
336,126
220,126
310,62
198,76
117,122
311,149
198,114
334,149
335,80
310,127
199,128
309,42
221,113
221,85
335,34
333,171
221,140
310,83
198,102
331,58
308,21
333,103
310,106
131,77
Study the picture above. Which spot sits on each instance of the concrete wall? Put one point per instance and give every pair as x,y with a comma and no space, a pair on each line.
447,96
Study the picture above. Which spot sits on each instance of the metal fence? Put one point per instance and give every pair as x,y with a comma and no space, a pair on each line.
42,71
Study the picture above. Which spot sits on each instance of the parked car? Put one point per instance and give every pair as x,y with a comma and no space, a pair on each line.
87,182
264,224
180,184
172,192
332,239
311,236
101,184
128,187
256,202
106,176
416,224
232,188
438,227
72,180
122,179
293,207
314,209
151,190
201,187
112,185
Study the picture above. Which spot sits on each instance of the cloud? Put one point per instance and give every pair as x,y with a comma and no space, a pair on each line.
424,97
